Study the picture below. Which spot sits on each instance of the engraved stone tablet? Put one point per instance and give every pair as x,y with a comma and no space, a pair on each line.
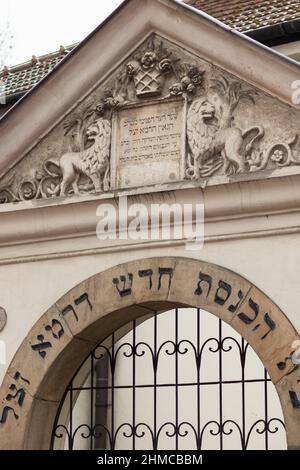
149,144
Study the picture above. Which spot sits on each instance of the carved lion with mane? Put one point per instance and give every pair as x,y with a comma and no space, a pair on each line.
215,145
92,162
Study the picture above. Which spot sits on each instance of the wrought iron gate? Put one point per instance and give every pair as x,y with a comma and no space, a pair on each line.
178,380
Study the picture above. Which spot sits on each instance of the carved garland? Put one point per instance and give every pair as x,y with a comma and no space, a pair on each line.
214,145
142,77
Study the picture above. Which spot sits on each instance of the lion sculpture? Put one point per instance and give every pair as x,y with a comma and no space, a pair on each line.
92,162
214,144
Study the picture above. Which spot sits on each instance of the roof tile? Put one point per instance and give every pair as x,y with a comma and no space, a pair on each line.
21,78
247,15
242,15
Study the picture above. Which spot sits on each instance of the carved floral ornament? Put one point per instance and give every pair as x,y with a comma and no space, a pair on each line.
215,144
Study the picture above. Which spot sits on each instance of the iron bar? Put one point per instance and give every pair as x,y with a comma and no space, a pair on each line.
103,432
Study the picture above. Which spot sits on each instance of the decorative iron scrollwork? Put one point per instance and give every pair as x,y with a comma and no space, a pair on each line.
155,432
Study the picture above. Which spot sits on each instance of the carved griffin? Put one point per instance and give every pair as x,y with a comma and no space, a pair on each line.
213,144
92,162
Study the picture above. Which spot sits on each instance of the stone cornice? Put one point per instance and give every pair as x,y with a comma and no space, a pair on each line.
68,228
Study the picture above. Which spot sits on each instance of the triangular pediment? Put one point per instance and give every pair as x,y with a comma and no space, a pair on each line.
164,114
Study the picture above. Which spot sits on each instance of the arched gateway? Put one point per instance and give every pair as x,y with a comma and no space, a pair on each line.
174,111
58,343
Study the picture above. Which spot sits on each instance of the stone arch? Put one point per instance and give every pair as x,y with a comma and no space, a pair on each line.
56,345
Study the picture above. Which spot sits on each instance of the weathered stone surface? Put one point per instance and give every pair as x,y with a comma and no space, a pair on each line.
208,286
49,339
94,299
268,331
117,289
97,307
165,115
43,415
154,278
289,393
14,412
149,144
21,424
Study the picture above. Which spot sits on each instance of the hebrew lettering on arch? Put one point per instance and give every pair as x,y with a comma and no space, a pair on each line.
5,413
84,298
69,309
223,288
245,318
165,272
17,395
147,273
56,329
18,376
267,319
233,308
206,279
294,399
41,346
270,323
123,284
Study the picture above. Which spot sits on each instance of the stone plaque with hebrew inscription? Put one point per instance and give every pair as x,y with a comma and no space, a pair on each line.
148,144
163,116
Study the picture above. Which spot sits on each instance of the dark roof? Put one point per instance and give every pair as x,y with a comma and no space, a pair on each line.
19,79
247,15
242,15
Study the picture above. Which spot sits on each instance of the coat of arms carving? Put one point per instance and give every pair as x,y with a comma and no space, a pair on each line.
164,116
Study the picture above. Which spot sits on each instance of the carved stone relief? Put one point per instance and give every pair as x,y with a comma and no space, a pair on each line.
149,143
163,116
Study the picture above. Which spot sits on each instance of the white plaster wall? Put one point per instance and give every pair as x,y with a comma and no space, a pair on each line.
27,290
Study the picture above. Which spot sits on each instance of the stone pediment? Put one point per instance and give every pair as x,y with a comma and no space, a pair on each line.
164,116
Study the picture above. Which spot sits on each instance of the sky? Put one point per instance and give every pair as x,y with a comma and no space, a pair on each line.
40,27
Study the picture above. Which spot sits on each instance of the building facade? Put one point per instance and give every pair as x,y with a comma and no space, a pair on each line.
177,110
